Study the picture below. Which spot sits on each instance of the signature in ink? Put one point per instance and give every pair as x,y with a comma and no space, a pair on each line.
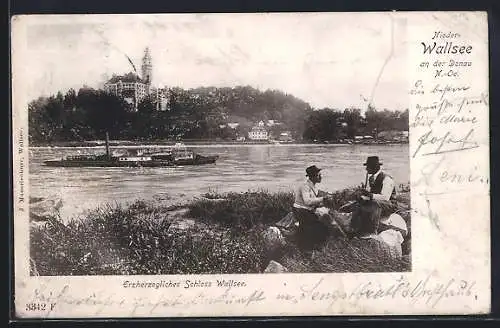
447,143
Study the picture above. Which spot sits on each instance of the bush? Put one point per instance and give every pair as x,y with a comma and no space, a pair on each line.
137,240
242,211
342,255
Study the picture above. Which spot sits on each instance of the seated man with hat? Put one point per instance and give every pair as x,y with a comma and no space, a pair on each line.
380,187
312,231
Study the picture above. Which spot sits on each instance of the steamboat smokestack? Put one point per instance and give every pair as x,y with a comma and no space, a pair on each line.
107,145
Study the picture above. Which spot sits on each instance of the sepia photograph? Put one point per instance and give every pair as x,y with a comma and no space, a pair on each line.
258,164
218,144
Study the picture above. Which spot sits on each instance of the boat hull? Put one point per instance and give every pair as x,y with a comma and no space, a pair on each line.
201,160
65,163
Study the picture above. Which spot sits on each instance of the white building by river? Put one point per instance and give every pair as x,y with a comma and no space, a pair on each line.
258,132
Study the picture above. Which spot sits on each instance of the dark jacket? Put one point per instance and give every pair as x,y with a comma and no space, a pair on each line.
376,186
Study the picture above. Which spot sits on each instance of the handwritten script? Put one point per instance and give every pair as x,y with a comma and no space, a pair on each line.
446,121
429,292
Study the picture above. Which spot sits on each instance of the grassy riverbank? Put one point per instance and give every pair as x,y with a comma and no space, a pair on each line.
217,233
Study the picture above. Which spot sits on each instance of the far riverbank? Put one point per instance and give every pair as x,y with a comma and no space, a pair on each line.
134,143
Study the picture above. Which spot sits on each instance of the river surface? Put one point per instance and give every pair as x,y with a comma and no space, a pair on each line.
239,168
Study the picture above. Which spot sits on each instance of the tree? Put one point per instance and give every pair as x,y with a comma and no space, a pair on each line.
108,114
322,125
39,129
401,120
375,121
147,105
352,117
70,100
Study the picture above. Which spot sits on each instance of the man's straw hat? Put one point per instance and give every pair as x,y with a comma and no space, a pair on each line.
396,221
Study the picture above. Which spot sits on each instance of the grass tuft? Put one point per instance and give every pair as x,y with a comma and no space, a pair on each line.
241,211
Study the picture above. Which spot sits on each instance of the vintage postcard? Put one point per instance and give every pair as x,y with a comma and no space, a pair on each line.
266,164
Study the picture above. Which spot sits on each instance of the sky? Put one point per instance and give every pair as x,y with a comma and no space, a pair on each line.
335,60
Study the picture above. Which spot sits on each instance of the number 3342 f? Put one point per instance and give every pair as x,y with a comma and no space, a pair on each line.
39,306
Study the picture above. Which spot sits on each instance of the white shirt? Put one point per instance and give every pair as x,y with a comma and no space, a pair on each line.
306,196
387,187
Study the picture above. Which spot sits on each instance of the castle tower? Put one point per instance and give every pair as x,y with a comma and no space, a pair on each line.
147,67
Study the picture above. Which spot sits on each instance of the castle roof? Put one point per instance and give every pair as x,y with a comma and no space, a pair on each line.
259,129
127,78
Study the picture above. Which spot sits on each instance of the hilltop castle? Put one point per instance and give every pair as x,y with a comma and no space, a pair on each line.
134,88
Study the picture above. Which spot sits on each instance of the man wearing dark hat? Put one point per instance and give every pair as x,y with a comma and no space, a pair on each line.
312,232
380,187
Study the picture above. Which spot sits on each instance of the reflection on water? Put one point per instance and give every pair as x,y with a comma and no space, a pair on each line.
239,168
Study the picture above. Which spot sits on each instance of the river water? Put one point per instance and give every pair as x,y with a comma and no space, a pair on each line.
239,168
